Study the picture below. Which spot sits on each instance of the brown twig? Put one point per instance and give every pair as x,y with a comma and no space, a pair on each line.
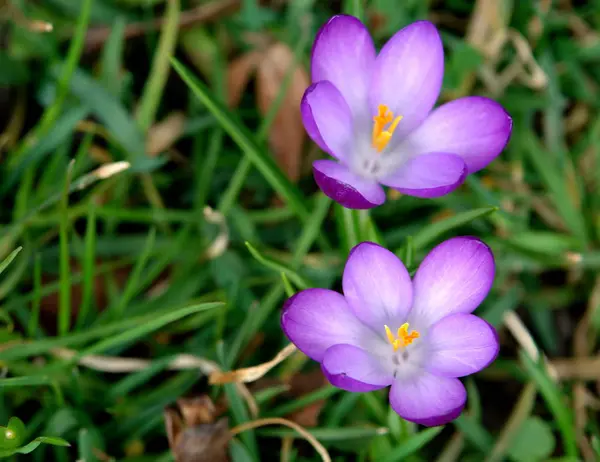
278,421
203,13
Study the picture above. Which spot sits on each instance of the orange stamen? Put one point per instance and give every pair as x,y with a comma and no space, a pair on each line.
404,337
381,137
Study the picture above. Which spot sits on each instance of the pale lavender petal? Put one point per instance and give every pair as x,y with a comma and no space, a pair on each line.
428,175
475,128
345,187
327,118
377,287
354,369
461,344
316,319
408,75
455,277
427,399
344,53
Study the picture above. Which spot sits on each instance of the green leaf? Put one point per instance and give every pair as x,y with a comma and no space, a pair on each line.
544,242
51,440
14,72
109,111
475,432
245,141
29,381
154,87
555,182
130,328
412,444
8,260
533,442
554,399
347,228
275,266
62,130
238,452
12,435
463,60
433,231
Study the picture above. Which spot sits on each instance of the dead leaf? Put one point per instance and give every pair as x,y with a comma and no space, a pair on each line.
193,434
250,374
165,133
303,384
287,135
239,72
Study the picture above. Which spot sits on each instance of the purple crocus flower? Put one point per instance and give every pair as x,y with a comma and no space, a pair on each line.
372,113
417,336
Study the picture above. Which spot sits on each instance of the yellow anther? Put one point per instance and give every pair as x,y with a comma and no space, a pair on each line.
389,334
381,137
404,337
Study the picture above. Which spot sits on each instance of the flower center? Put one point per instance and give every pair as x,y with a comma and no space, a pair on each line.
403,338
381,137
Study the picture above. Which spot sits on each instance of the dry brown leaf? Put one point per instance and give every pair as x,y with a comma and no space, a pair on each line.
165,133
287,135
239,72
250,374
303,384
193,434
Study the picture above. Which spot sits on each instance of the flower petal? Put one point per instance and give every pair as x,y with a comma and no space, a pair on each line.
354,369
461,344
316,319
344,53
427,399
327,118
345,187
455,277
428,175
377,287
408,73
475,128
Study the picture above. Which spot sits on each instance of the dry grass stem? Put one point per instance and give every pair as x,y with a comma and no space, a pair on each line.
250,374
288,423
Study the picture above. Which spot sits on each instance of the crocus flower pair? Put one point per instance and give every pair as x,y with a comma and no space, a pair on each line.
373,114
418,336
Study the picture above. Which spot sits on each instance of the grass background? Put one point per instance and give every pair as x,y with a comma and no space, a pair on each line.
112,151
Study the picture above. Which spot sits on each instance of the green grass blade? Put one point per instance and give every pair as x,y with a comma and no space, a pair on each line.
89,266
554,399
64,309
8,260
243,138
434,231
278,267
412,444
159,73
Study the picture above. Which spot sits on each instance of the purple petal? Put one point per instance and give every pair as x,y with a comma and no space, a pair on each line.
316,319
345,187
475,128
427,399
408,74
461,344
344,53
377,287
327,118
455,277
428,175
354,369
